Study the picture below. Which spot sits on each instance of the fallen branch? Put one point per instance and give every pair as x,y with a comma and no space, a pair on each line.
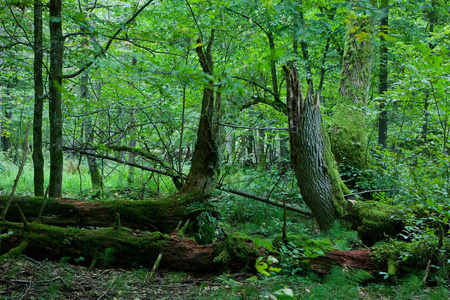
178,176
372,191
265,200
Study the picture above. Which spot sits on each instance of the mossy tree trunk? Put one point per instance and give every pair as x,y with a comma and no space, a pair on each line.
202,175
348,137
313,163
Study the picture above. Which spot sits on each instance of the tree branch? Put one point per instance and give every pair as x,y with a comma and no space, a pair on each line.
108,44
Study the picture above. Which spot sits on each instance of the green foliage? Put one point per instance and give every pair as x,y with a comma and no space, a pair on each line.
341,284
207,225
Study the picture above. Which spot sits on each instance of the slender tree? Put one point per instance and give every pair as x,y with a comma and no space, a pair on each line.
55,88
202,175
383,83
94,170
38,157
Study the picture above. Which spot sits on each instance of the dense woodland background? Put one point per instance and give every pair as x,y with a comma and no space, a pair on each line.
237,100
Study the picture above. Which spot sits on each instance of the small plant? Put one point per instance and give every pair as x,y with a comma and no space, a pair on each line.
265,266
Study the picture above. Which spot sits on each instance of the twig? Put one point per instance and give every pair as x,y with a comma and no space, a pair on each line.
43,203
155,266
427,271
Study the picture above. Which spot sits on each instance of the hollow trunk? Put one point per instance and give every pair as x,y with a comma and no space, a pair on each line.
313,163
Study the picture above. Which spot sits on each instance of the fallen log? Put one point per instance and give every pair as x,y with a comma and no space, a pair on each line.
107,247
154,215
127,248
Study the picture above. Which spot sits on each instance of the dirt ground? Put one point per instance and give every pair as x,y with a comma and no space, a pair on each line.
26,278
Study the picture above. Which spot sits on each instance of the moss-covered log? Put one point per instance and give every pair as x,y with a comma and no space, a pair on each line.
107,247
376,221
103,247
155,215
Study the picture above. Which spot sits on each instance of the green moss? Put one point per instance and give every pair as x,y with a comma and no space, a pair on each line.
129,250
348,134
338,188
15,252
377,220
236,252
407,257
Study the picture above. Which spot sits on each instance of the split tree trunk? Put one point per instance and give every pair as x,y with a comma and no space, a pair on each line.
313,163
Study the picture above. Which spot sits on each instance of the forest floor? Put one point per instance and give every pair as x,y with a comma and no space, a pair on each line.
25,278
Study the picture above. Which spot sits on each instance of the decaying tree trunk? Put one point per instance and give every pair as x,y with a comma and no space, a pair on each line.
313,163
159,215
105,247
123,247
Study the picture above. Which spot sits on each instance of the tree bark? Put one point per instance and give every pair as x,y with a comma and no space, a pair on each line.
348,135
38,157
383,84
313,163
202,175
260,151
55,89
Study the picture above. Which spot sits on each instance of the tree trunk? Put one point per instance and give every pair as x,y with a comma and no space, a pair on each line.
132,141
260,153
94,170
38,157
383,84
313,163
202,175
55,88
348,136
